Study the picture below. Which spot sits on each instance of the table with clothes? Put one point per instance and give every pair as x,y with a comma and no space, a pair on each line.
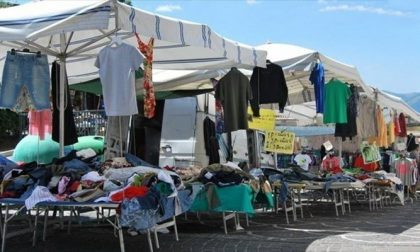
228,189
337,187
147,194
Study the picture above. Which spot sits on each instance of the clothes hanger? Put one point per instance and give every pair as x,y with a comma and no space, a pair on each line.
116,40
25,50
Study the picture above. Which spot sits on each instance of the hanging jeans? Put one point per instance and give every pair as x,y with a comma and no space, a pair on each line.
25,84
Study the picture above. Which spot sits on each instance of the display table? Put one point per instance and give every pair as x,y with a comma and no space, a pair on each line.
229,200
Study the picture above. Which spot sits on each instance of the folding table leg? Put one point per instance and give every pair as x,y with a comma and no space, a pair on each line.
175,228
3,242
156,237
35,227
44,236
149,240
335,202
120,234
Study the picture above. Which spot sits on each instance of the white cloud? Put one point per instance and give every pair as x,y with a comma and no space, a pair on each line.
363,8
168,8
251,2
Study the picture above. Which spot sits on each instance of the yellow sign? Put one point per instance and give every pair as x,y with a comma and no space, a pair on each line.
266,121
279,142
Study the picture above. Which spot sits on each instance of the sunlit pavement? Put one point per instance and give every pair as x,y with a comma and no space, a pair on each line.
393,228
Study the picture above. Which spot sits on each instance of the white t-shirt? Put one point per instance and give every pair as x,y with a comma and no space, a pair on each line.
117,67
303,160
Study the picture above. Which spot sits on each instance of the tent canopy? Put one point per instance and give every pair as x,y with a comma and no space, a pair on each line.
305,113
297,63
78,30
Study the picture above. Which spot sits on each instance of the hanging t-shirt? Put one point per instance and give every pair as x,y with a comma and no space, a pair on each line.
317,79
366,119
116,70
234,91
303,160
335,106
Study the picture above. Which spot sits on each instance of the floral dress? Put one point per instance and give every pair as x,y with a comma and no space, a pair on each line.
149,93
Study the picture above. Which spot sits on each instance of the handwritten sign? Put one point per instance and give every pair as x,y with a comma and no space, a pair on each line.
266,121
279,142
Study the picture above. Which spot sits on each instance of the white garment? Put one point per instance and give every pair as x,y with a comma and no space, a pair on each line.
303,160
116,71
92,176
86,153
40,194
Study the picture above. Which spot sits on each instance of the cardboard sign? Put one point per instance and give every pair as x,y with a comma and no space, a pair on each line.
266,121
279,142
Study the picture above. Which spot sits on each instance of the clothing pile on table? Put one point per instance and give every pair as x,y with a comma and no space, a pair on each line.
142,189
230,178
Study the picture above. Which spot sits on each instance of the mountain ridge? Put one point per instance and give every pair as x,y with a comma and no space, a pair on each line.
412,99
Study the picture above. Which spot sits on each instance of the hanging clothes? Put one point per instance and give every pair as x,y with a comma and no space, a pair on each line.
210,141
149,93
366,119
381,139
397,128
40,123
268,86
335,106
359,163
70,133
349,129
234,91
403,126
317,79
411,142
219,112
25,84
117,66
391,130
406,171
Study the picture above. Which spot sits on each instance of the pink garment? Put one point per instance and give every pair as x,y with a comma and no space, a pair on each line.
40,122
62,185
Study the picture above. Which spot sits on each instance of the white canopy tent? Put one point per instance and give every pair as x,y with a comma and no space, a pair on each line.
75,31
305,113
387,100
297,63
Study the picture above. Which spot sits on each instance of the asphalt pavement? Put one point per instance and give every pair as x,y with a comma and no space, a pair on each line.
392,228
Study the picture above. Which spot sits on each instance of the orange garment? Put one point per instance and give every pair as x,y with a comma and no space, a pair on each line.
149,93
359,163
129,193
381,139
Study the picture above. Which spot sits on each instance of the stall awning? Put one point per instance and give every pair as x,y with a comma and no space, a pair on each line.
88,26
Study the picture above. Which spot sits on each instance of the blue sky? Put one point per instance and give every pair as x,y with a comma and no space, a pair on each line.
381,38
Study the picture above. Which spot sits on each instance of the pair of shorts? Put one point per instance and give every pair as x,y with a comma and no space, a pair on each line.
25,83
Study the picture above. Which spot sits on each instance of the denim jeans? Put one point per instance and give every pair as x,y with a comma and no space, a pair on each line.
24,70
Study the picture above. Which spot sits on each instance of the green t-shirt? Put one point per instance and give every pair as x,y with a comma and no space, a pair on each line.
335,105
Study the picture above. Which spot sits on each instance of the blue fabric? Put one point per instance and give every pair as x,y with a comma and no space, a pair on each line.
134,216
337,178
283,189
318,80
29,70
76,165
6,166
136,161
